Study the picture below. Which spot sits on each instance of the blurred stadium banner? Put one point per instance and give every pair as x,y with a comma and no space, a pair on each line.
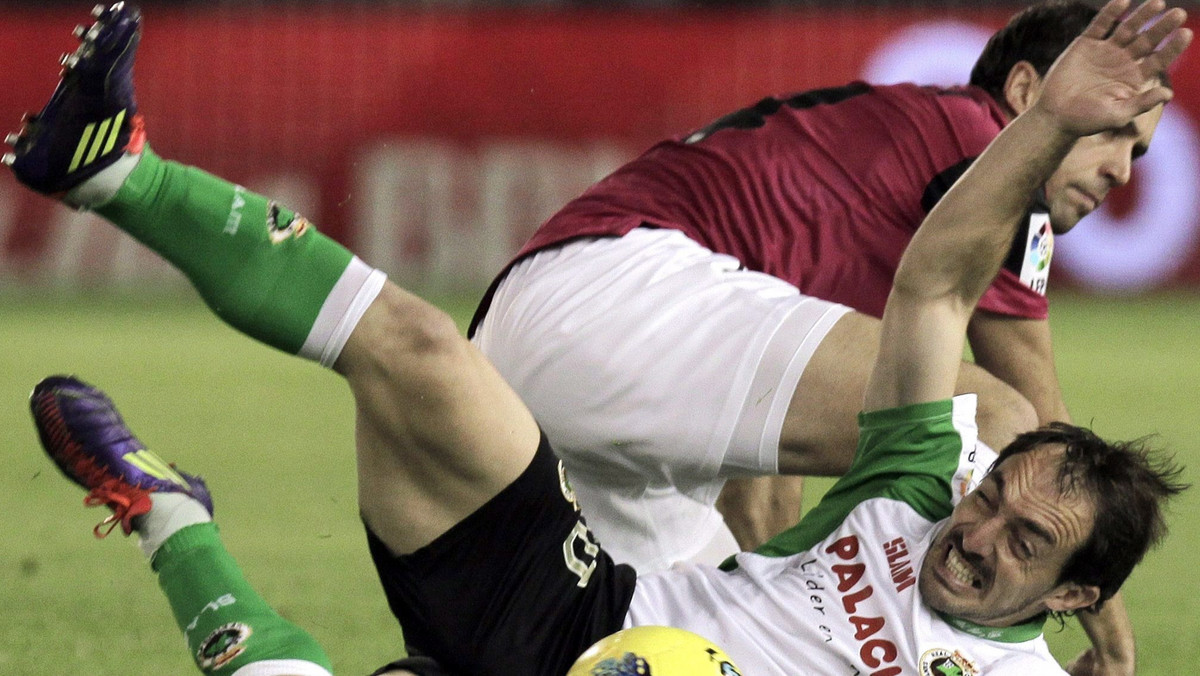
435,143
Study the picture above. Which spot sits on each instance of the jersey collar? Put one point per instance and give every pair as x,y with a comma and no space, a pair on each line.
1015,634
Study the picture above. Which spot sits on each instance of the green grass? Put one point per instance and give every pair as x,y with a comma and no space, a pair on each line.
273,436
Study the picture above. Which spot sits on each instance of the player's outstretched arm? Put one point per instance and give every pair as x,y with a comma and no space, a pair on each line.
1108,76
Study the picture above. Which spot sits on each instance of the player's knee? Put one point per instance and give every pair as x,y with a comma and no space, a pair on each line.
403,338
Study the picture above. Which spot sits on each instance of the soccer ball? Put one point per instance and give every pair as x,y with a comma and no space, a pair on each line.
654,651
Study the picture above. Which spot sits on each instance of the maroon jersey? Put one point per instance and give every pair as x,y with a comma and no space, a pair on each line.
822,189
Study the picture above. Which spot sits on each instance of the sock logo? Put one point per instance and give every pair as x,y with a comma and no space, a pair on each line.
222,646
295,227
235,211
100,140
155,466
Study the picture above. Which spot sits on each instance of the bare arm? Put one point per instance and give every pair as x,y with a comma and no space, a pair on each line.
952,259
1019,352
1099,83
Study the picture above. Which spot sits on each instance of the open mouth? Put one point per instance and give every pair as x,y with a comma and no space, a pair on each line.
960,571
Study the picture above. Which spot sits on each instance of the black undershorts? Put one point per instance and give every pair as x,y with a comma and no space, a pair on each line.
519,587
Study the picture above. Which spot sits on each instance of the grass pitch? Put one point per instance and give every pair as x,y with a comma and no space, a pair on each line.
274,438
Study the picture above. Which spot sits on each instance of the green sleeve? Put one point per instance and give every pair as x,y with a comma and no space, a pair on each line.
908,454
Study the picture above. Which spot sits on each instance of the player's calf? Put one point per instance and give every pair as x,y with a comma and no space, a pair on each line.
263,268
226,624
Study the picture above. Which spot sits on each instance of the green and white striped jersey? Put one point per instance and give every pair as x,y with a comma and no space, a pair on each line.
837,594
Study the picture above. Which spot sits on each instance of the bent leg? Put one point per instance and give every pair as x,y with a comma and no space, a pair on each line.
262,268
428,402
439,432
658,369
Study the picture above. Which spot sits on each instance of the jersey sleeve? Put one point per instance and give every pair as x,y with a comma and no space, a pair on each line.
914,454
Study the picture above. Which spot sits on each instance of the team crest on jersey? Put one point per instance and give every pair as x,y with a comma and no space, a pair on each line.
222,646
942,662
295,227
564,484
1039,249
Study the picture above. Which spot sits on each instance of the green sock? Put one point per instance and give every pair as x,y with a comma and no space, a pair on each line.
262,268
226,624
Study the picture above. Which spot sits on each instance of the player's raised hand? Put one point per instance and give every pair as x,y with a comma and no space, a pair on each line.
1114,71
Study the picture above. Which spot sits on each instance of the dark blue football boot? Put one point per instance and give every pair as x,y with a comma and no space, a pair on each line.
92,119
83,433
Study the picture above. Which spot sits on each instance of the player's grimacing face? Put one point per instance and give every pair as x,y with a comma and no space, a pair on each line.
1096,165
998,559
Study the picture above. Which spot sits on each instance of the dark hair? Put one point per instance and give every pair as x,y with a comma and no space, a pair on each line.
1037,35
1128,484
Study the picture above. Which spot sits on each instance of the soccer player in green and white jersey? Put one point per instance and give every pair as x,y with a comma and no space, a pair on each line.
887,576
472,523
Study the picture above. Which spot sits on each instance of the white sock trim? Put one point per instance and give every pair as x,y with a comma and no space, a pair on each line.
170,513
282,668
103,186
349,299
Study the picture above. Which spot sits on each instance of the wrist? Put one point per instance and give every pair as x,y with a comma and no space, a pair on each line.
1045,124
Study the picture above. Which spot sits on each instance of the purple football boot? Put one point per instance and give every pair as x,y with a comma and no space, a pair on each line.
85,436
91,120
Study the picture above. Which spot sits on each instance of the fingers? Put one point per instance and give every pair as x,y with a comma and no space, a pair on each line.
1170,50
1130,30
1150,39
1108,17
1150,98
1150,34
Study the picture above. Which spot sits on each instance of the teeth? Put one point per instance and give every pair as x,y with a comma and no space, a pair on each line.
8,159
97,11
79,31
11,139
69,60
959,568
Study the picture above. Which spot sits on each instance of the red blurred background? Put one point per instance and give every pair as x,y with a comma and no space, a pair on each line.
433,143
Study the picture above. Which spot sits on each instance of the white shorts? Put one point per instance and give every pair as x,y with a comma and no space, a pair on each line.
657,369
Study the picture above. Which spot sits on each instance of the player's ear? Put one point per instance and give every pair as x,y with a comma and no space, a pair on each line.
1070,596
1022,87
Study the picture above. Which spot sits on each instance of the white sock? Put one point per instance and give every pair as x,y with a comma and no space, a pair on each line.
103,186
171,512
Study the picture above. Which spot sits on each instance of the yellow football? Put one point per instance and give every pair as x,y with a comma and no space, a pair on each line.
654,651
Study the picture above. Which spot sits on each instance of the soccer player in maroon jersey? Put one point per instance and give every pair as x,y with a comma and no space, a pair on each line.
471,521
708,311
650,326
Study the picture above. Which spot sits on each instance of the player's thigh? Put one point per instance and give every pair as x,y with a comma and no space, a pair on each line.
518,587
820,433
438,430
653,356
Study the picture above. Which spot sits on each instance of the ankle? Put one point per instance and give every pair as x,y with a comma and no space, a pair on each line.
171,513
103,186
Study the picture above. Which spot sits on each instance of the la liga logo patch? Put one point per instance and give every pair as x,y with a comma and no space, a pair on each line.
1039,250
943,662
222,646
